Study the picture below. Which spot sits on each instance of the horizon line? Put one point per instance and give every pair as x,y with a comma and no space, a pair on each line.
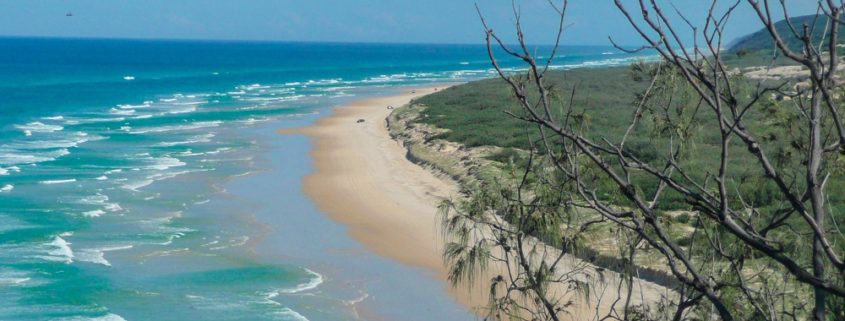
283,41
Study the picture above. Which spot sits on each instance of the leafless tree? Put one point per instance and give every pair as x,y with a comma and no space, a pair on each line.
741,259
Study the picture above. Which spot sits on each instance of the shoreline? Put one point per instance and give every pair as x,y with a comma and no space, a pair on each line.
362,180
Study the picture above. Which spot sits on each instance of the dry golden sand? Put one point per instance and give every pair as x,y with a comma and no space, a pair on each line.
363,180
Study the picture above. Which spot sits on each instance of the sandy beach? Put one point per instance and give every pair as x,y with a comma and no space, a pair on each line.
362,179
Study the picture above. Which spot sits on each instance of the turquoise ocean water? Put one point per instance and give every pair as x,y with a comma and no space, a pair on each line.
143,180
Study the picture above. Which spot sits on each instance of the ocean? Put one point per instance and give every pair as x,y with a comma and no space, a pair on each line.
144,180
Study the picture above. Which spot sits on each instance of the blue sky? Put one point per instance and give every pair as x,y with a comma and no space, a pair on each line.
416,21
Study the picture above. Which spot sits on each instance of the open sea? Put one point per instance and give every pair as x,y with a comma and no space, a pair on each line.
143,180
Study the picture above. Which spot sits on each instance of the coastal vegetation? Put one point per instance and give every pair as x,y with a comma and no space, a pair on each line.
696,172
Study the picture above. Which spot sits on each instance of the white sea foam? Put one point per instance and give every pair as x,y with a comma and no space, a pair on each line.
163,163
97,199
384,78
71,140
110,317
169,128
57,181
193,140
182,109
252,121
325,81
122,112
189,103
169,175
13,281
98,255
94,120
274,99
101,200
281,90
235,242
112,207
8,170
94,213
15,157
219,150
161,226
59,143
164,253
360,299
13,278
38,127
129,106
189,153
253,87
172,237
59,250
337,88
107,317
607,62
292,98
313,283
136,185
292,314
193,297
7,188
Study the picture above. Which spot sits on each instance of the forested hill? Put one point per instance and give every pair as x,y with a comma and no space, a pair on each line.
761,40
